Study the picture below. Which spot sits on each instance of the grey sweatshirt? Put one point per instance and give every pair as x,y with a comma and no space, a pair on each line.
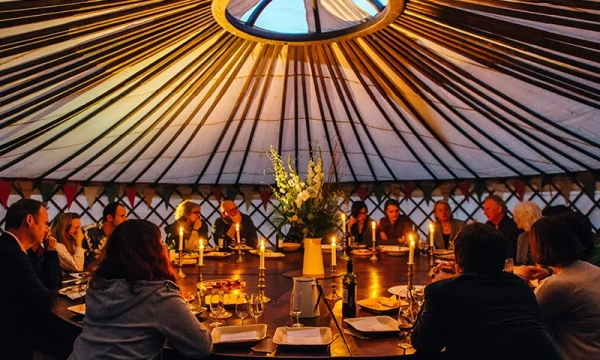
119,324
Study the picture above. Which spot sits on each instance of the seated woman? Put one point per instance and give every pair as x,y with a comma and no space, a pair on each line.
569,299
394,228
187,217
446,228
524,214
66,228
359,225
133,302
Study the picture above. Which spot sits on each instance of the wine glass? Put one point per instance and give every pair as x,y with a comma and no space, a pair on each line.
242,308
406,325
419,295
423,246
256,306
509,265
216,307
296,307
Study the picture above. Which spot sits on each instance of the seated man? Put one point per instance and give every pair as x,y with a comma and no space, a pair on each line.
483,312
95,235
187,218
25,303
225,226
496,212
45,263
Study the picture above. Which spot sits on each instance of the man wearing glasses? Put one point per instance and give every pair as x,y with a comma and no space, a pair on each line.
225,226
189,219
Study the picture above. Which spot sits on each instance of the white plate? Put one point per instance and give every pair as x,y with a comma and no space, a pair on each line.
239,334
304,336
197,310
224,284
244,248
380,304
77,309
327,248
362,252
274,255
188,296
443,252
400,290
192,255
216,254
75,289
386,248
374,324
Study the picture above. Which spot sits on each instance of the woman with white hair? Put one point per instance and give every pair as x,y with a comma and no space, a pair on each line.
525,214
189,219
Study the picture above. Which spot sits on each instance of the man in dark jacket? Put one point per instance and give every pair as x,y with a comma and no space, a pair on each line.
225,226
496,212
476,310
25,303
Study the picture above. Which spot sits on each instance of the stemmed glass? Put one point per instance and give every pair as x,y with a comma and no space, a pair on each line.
256,306
242,308
216,307
296,307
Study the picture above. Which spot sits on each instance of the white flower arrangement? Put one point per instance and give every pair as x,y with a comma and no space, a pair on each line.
310,207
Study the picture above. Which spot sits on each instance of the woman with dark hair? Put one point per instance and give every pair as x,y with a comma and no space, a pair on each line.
569,299
133,302
359,225
446,227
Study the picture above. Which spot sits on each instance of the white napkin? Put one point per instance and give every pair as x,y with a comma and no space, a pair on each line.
76,295
247,335
369,324
304,337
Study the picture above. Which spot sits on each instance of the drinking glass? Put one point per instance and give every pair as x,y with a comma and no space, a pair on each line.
242,306
296,307
216,307
419,295
405,324
423,246
509,265
256,306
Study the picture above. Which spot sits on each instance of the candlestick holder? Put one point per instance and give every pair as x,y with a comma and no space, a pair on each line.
345,249
181,274
262,285
200,275
411,314
374,250
430,256
334,295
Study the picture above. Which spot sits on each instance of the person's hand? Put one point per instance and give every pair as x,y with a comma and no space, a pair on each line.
50,243
237,218
444,270
383,236
531,272
197,224
78,237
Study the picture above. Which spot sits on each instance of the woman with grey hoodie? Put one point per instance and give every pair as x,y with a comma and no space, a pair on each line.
133,302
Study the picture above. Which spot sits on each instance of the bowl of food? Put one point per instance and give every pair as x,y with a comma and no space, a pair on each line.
290,247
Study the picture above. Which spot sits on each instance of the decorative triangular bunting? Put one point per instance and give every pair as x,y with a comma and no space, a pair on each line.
427,188
47,190
165,195
445,189
186,192
480,188
378,191
520,189
26,188
216,191
231,192
248,197
265,195
131,194
408,189
91,194
111,192
588,181
362,192
70,191
464,186
395,190
148,193
5,187
565,185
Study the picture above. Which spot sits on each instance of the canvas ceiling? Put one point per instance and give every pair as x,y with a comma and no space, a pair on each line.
157,92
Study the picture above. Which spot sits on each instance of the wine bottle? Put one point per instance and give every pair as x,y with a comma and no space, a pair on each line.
349,292
279,242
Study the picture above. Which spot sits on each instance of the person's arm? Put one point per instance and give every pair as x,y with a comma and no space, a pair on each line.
25,282
70,262
52,269
250,232
180,326
554,299
428,332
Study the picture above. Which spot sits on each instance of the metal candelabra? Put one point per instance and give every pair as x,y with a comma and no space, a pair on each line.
345,249
431,256
409,293
181,274
262,285
374,257
334,295
200,274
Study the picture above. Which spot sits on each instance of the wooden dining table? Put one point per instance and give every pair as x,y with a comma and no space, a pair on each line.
374,278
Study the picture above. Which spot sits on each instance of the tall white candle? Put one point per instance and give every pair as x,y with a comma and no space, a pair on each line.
180,239
333,251
373,226
344,224
411,251
201,253
262,254
431,230
237,232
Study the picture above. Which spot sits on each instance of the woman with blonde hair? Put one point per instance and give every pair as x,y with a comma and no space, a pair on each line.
525,214
446,227
66,228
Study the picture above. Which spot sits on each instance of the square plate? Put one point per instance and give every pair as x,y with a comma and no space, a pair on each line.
374,324
381,304
216,254
239,334
362,252
304,336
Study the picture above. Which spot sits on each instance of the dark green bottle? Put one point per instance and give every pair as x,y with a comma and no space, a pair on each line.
349,292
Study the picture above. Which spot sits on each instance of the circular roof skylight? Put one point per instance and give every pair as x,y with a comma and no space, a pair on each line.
303,21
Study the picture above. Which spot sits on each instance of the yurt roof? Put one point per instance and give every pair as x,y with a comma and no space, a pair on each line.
196,91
